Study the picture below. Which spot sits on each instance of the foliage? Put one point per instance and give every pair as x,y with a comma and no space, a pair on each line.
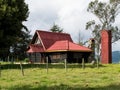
56,28
105,78
111,1
106,14
20,46
80,39
12,15
26,60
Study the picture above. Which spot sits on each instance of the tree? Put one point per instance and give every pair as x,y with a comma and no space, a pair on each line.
56,28
111,1
20,47
106,14
80,40
12,15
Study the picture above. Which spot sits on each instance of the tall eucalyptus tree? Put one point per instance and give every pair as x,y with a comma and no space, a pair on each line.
106,14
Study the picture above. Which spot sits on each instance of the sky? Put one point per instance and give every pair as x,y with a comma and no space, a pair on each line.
71,15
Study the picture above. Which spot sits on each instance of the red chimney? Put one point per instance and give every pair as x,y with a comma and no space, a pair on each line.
106,50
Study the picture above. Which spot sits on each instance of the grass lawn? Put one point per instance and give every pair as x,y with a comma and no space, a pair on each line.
107,77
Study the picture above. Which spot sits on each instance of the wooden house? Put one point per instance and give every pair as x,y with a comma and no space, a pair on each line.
57,47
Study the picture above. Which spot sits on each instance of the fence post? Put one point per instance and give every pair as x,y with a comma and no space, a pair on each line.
8,59
83,63
12,60
0,69
47,64
21,68
97,63
66,65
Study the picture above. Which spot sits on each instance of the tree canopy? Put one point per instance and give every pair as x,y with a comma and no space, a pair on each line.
56,28
12,15
111,1
106,14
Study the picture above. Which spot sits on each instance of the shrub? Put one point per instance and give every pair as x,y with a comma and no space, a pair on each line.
26,59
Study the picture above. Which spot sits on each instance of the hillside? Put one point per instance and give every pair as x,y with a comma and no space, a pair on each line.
115,56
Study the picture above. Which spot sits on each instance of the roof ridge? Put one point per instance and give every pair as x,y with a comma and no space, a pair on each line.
51,32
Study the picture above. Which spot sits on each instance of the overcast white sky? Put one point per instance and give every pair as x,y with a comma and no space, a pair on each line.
71,15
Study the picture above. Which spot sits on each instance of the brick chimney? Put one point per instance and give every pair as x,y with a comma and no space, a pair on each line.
106,50
92,47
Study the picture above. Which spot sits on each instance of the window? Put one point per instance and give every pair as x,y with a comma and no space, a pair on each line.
37,41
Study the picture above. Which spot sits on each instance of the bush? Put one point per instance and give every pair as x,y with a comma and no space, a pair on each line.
26,59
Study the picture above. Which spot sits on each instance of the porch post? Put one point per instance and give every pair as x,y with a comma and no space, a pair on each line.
35,56
40,57
29,56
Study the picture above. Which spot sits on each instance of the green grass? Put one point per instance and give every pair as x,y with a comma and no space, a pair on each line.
107,77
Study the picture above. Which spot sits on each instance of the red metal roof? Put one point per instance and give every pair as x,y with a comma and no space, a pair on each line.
67,46
49,38
51,42
35,48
